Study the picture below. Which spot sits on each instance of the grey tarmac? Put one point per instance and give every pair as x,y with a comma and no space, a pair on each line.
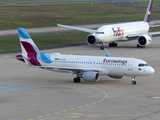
29,93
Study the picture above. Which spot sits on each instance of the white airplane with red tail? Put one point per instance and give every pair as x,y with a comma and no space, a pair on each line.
88,68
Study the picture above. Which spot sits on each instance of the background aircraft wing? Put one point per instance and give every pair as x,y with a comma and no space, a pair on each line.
154,33
78,28
155,25
135,36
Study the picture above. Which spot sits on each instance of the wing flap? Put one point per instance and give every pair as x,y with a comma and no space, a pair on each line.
78,28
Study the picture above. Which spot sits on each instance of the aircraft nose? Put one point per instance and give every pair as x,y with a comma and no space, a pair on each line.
151,70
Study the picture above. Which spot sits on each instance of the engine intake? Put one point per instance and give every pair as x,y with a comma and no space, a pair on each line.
90,76
91,40
144,40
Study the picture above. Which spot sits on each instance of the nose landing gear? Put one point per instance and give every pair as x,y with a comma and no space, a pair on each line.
76,80
133,80
102,47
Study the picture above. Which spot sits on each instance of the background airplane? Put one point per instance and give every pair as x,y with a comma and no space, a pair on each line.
122,32
88,68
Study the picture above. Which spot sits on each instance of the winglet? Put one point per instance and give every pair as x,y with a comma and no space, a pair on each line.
106,52
149,12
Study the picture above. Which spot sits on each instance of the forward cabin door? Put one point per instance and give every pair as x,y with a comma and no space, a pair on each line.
130,65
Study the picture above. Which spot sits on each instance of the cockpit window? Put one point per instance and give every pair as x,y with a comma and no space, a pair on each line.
99,32
142,65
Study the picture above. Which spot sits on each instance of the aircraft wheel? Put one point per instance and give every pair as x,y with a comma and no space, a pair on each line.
133,82
102,48
113,44
110,45
77,80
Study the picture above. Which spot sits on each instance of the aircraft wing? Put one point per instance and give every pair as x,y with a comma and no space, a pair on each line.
78,28
68,69
133,36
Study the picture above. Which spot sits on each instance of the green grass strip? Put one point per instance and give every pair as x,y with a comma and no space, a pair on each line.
8,44
13,1
49,15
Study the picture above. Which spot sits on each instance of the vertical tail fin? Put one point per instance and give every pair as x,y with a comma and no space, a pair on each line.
148,15
30,51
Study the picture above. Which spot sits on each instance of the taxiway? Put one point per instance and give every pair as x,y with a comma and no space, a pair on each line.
28,93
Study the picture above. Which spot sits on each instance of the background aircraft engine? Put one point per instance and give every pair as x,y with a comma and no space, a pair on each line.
90,76
91,40
144,40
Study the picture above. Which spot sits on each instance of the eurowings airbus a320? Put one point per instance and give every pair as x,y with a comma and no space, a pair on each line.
122,32
88,68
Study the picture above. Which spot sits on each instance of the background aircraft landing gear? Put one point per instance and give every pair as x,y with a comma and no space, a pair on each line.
102,47
133,81
76,80
113,44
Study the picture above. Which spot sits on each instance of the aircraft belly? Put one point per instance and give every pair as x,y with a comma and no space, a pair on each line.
117,38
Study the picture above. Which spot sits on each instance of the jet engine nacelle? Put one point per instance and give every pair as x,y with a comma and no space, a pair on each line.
91,40
144,40
90,76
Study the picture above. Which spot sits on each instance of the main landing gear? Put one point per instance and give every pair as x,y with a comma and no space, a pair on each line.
102,47
76,80
110,45
133,80
113,44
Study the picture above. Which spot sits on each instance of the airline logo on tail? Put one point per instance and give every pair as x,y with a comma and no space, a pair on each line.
149,12
30,52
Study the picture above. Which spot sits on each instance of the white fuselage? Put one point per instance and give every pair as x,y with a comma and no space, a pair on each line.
115,66
119,32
